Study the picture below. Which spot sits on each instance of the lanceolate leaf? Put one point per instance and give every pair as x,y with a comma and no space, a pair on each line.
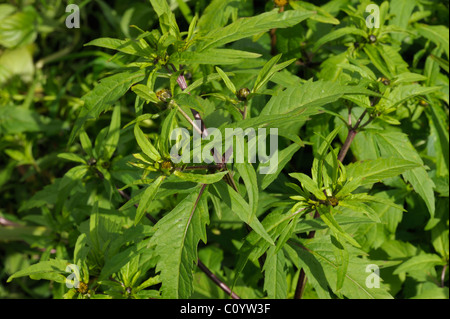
139,48
326,214
354,285
309,185
373,171
201,178
284,157
212,56
226,80
437,34
147,198
398,145
275,282
145,144
175,241
55,266
310,95
112,139
336,34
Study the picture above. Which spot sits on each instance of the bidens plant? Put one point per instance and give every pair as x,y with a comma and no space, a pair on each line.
361,170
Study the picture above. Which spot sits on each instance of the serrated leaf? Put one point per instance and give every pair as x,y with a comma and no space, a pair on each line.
56,266
398,145
175,242
145,144
103,95
72,157
326,214
275,282
373,171
248,175
310,96
336,34
420,262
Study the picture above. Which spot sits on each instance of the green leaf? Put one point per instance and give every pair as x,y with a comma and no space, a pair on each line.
175,242
435,33
422,262
86,143
321,16
325,164
359,206
310,96
72,157
18,29
241,208
56,266
103,95
145,144
403,93
15,120
373,171
188,102
145,93
147,198
265,73
247,27
354,285
226,79
112,139
248,175
442,63
168,125
408,77
433,293
275,282
213,56
167,19
374,56
342,260
336,34
326,214
255,246
133,47
216,14
309,184
312,268
284,158
394,144
199,178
